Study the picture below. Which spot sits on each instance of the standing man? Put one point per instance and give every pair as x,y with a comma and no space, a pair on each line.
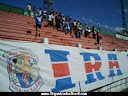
94,32
98,30
40,12
44,14
34,11
50,19
77,29
99,38
29,9
94,35
70,24
38,20
86,30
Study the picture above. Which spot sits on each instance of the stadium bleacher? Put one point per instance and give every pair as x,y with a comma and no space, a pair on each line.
20,27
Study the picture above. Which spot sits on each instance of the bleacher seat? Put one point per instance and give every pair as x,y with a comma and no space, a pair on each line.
20,27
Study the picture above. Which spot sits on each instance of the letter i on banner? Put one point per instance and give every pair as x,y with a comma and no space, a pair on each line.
113,62
61,70
89,67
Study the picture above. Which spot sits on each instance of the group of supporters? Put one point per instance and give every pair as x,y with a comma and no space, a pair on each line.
66,24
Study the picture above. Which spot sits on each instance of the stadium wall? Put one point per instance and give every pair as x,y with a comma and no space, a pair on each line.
11,9
122,37
107,33
30,66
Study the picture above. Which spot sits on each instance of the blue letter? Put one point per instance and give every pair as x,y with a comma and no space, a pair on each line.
61,69
111,58
89,67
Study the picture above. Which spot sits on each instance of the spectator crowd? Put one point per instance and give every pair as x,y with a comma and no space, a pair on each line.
64,23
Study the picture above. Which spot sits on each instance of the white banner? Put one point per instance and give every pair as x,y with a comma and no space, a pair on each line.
36,67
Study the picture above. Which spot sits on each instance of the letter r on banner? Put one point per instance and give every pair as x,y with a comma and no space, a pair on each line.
61,70
89,67
113,62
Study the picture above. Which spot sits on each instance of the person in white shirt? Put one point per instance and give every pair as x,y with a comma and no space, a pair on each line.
63,22
80,30
89,29
44,14
98,30
67,28
40,12
50,20
86,30
74,23
94,35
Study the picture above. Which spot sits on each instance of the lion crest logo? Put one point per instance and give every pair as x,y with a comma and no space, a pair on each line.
23,71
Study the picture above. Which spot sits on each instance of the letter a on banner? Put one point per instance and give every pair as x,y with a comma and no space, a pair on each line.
113,62
89,67
61,70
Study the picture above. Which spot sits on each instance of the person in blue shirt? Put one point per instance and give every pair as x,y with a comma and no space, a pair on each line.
38,20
